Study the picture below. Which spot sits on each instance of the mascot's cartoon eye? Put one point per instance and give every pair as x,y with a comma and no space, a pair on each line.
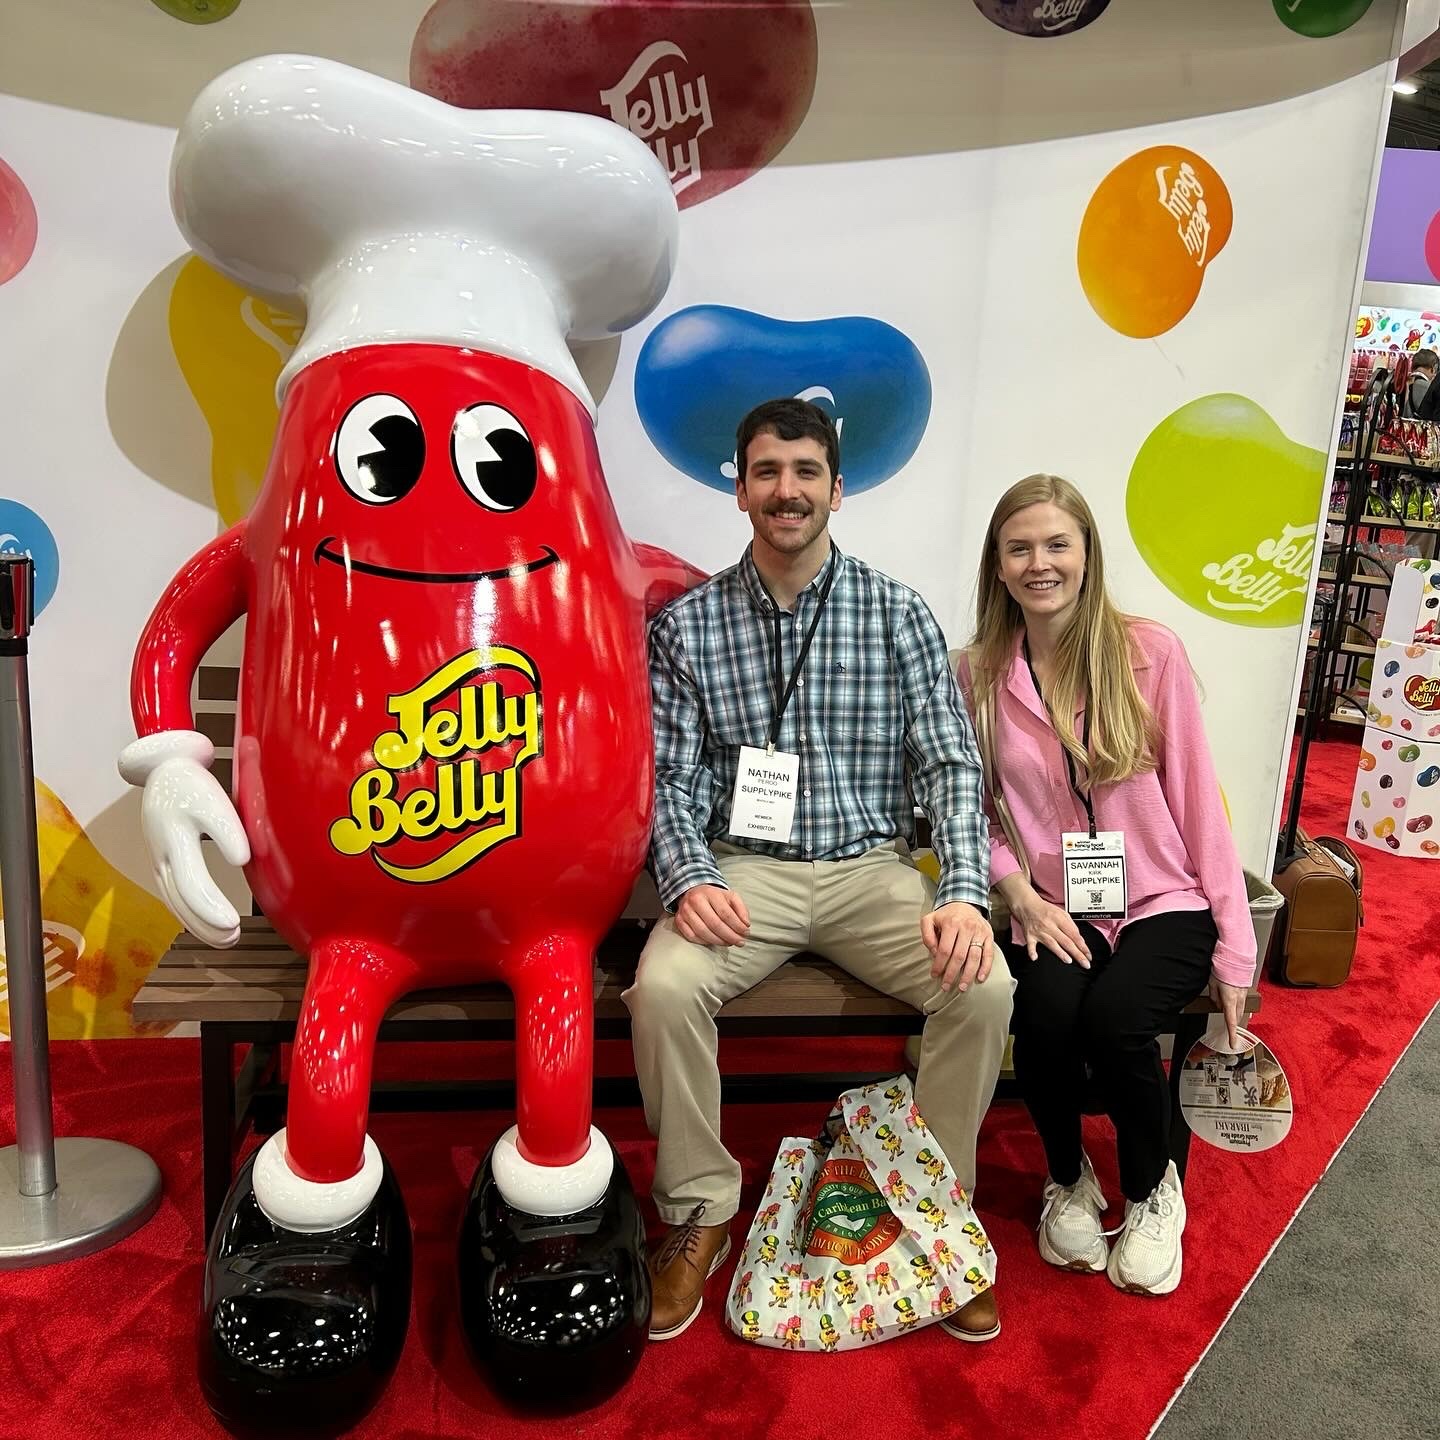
493,457
379,449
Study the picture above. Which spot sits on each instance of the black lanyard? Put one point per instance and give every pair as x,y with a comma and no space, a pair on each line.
1084,740
784,690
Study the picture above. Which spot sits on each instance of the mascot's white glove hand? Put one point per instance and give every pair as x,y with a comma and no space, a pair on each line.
182,802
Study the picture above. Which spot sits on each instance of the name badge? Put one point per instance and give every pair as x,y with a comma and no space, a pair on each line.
1094,875
763,805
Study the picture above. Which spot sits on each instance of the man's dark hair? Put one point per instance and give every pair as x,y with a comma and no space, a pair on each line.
1426,359
790,420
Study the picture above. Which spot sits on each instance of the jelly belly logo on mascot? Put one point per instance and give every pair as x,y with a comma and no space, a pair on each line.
847,1218
468,788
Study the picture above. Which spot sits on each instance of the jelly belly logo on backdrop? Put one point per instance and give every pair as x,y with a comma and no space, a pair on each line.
61,948
472,802
1422,692
1279,567
1042,17
702,368
716,90
846,1217
668,113
1221,505
1152,227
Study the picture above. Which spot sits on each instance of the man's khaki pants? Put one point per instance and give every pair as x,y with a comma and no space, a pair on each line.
861,914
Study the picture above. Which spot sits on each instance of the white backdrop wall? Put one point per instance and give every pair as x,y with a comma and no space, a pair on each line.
937,181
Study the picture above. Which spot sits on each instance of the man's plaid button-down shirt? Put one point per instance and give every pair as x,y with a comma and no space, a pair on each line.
876,718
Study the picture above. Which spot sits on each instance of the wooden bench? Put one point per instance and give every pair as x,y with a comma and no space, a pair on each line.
250,996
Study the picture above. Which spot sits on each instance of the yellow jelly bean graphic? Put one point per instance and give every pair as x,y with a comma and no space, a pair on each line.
1385,827
103,934
1222,505
231,347
1151,229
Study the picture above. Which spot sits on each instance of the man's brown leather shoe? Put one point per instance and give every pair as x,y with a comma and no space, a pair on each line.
977,1321
679,1267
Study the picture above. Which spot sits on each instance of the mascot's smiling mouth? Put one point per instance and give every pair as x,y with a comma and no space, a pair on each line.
507,572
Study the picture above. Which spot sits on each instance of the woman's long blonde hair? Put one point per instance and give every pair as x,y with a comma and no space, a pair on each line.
1092,661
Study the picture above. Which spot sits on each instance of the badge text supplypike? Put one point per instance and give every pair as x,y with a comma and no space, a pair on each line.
463,795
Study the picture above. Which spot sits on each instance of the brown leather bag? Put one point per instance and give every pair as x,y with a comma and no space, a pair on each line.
1313,942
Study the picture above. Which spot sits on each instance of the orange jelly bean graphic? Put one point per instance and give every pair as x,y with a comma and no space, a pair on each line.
1152,227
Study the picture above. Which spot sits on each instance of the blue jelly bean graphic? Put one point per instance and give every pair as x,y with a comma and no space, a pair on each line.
1429,775
1392,667
22,531
701,369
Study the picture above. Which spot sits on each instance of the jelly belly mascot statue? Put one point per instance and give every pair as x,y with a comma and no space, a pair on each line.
443,761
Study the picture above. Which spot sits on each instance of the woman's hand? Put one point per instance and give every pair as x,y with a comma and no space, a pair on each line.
1044,923
1231,1000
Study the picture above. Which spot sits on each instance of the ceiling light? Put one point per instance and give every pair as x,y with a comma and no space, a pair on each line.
1405,87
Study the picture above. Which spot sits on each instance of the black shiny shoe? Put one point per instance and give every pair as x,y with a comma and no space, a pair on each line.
299,1333
556,1309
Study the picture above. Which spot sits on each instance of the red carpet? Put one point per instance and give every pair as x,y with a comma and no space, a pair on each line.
102,1347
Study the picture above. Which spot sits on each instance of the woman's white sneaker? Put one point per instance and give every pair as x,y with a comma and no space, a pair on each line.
1146,1258
1071,1235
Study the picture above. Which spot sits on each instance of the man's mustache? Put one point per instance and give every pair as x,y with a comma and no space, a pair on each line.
794,506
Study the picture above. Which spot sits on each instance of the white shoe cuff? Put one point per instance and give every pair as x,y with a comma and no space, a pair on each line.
551,1189
310,1206
140,758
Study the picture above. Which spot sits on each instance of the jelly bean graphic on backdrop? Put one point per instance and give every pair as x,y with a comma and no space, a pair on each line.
1222,506
102,933
231,347
1152,227
18,224
1320,18
716,90
197,12
702,368
1432,245
1042,17
22,531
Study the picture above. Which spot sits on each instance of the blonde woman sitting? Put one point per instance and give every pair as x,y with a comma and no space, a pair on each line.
1089,726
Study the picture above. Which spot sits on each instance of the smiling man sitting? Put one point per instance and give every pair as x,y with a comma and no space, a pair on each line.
803,704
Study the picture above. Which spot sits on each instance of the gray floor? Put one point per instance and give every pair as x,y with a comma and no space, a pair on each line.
1340,1334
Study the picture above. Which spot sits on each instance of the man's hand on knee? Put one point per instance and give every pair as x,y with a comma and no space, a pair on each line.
961,945
712,915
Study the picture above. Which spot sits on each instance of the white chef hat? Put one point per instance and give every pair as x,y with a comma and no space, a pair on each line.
396,217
